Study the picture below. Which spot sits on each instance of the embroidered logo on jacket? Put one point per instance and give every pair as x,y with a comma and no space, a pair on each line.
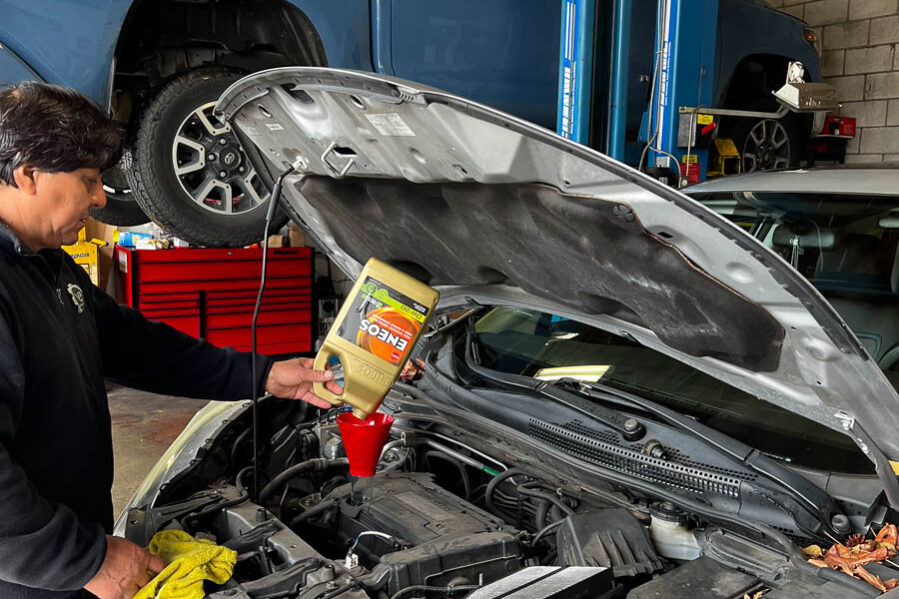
77,296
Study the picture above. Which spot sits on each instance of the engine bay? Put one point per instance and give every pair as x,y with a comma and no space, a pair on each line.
446,517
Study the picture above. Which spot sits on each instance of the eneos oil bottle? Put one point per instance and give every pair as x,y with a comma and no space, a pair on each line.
373,335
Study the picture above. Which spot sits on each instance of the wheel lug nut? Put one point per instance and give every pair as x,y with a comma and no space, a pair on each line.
223,141
240,169
223,174
211,157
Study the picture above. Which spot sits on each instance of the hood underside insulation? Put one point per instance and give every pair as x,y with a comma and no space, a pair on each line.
591,255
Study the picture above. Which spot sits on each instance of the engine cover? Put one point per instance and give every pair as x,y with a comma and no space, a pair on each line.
440,537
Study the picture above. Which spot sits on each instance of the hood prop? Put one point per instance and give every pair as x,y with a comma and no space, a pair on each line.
882,464
273,203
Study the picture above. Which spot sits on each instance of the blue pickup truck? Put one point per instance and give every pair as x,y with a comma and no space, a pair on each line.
160,65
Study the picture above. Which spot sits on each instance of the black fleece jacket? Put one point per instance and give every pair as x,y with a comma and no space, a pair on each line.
59,338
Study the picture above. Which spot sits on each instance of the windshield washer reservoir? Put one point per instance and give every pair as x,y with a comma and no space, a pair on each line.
670,534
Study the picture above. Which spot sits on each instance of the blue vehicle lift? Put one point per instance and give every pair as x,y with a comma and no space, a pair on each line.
685,38
686,34
576,69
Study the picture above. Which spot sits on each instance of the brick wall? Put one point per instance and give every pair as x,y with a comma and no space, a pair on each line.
860,39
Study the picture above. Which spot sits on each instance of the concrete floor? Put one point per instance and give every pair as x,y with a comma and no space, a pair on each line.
143,426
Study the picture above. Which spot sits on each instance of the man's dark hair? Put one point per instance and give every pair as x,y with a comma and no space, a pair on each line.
54,129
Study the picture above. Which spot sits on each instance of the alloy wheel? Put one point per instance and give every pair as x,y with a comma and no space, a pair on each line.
213,168
767,147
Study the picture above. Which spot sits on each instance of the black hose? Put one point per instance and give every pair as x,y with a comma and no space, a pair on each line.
555,513
213,507
529,492
238,480
516,504
240,439
546,529
498,495
488,494
324,506
540,516
313,465
466,483
519,508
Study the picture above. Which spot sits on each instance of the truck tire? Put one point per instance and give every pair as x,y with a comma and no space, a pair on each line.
188,171
767,144
121,208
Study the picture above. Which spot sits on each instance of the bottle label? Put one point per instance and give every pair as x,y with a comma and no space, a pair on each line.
383,321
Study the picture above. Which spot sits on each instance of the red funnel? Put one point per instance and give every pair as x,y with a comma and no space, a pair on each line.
363,440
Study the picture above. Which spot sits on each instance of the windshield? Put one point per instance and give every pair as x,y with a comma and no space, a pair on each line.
846,245
526,343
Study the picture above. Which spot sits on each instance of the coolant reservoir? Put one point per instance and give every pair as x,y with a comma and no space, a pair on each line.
373,334
670,534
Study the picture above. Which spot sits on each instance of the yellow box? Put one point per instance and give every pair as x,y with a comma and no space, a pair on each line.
86,254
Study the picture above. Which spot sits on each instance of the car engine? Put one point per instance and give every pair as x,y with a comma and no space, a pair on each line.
440,519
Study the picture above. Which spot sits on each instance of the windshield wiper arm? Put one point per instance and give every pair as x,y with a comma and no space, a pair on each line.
630,428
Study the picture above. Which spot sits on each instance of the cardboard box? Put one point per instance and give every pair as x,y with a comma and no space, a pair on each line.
296,235
98,230
290,236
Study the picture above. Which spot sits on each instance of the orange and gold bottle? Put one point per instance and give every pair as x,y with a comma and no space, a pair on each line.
373,335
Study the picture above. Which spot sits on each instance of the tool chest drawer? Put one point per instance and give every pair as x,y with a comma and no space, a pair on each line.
211,293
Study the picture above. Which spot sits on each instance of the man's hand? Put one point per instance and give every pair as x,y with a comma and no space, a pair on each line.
125,569
292,379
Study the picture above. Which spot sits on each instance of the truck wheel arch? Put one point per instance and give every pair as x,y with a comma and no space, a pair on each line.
162,41
753,78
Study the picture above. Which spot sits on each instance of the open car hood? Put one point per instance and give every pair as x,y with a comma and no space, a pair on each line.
490,208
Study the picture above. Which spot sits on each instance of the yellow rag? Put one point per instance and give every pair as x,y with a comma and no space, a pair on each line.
190,562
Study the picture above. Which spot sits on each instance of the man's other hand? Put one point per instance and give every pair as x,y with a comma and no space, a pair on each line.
292,379
125,569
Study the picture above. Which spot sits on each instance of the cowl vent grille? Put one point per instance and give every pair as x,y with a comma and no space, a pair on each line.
674,455
634,463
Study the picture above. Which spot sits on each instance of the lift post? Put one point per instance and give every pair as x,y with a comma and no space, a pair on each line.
686,34
576,70
685,41
621,40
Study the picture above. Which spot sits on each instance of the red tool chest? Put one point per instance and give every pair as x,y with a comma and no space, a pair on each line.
211,293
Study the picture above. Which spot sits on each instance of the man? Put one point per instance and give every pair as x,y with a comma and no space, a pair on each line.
59,337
